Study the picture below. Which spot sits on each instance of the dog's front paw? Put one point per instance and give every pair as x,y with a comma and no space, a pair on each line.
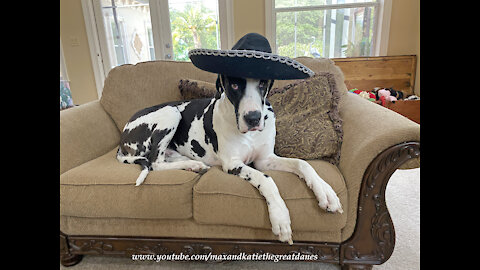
280,219
327,198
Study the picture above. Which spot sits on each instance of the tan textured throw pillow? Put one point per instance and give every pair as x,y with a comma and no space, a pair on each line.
192,89
307,118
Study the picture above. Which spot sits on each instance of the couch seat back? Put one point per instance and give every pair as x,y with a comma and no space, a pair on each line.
130,88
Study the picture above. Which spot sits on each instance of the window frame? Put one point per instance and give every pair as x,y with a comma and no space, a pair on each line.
381,24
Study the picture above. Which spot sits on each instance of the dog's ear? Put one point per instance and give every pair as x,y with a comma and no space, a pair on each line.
219,87
270,85
219,83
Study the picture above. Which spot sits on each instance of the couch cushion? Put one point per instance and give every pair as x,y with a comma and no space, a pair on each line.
105,187
224,199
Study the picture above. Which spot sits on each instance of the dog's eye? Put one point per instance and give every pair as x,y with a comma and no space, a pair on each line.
234,86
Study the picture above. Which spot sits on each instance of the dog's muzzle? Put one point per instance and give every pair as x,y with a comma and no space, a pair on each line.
252,119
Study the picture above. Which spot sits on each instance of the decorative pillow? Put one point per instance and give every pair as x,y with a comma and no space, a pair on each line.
307,121
192,89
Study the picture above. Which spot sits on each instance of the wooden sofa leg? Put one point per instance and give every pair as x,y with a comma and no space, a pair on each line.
373,240
70,259
67,258
356,267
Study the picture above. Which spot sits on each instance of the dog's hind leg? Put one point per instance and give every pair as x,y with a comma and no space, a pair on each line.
189,165
174,160
142,161
173,156
146,137
168,159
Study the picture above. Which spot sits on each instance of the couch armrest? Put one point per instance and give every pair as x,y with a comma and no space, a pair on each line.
86,132
368,129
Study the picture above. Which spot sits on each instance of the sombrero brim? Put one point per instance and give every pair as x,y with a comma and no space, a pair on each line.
249,64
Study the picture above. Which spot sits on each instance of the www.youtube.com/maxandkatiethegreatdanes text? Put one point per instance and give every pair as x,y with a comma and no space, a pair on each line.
224,257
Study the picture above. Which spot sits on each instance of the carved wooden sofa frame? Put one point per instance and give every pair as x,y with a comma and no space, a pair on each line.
371,243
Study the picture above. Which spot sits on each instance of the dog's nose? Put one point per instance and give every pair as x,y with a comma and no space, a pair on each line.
253,118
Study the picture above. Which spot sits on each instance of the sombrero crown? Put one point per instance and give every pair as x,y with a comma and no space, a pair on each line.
250,57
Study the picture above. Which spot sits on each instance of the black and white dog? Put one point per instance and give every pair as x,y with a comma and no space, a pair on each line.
234,130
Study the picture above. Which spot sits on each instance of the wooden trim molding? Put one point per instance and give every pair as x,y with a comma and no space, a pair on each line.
373,239
127,246
371,243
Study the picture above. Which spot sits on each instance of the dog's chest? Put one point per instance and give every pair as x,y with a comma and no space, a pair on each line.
205,134
246,147
229,145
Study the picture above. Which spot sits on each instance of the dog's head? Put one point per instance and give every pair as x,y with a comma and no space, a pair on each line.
248,98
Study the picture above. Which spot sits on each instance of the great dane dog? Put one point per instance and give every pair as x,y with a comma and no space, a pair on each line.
232,130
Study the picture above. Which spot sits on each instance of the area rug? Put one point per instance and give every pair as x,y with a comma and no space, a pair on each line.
403,202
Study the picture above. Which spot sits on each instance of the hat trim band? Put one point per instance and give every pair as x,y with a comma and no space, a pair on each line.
256,54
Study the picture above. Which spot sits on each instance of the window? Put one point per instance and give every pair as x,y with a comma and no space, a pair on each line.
132,31
325,28
150,43
194,24
117,31
126,37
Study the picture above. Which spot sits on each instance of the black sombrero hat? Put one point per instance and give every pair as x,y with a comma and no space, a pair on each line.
250,57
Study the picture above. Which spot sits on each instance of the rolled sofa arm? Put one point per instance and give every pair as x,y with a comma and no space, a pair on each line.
368,130
86,132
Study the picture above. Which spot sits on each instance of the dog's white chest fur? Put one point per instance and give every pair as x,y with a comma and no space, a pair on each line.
245,147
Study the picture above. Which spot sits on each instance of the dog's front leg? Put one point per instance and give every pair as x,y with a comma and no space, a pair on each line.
326,196
277,210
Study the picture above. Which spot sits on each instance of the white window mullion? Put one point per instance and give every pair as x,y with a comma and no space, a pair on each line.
225,16
96,56
383,27
373,48
270,24
161,30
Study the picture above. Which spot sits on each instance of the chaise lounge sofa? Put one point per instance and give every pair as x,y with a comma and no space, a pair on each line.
177,211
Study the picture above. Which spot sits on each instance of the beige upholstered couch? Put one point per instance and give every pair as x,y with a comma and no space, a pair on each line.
102,212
